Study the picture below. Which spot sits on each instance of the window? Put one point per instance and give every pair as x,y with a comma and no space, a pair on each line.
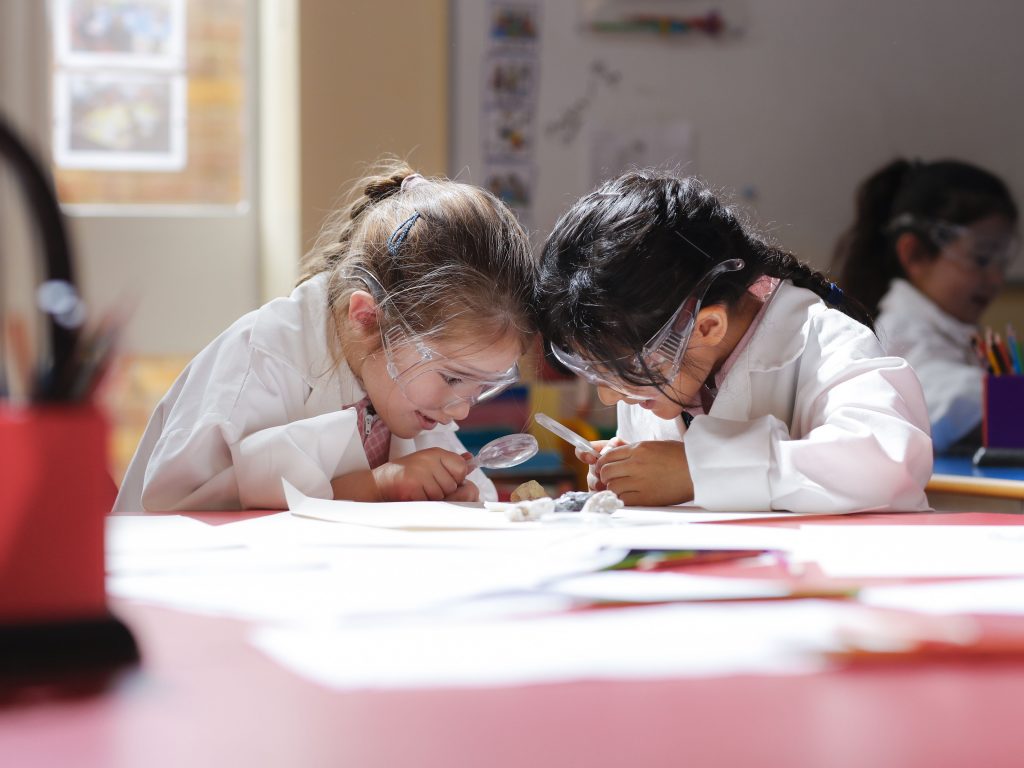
150,102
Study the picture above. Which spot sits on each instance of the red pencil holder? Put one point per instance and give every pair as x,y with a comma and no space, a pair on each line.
54,488
56,494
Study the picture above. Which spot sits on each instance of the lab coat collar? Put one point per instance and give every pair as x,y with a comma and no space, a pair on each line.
904,300
328,371
778,340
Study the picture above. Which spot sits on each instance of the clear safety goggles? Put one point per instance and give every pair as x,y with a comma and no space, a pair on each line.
662,355
428,379
963,245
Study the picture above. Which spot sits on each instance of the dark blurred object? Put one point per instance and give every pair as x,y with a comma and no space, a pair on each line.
54,484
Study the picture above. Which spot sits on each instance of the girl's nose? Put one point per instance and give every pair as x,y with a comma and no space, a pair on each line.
458,409
996,278
609,396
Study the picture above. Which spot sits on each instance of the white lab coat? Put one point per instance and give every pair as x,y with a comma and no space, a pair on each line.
262,402
811,417
938,345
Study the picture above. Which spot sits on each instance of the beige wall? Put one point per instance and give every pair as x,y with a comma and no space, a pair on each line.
1008,308
373,79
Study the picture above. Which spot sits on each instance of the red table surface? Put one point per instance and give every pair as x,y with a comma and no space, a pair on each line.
203,696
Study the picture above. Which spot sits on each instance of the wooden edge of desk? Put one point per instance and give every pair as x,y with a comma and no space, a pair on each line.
976,486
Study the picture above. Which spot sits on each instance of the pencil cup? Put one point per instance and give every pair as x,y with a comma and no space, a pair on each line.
1002,422
54,488
56,494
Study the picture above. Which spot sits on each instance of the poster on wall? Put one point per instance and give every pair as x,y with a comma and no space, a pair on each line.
512,184
655,144
119,93
119,121
120,33
509,104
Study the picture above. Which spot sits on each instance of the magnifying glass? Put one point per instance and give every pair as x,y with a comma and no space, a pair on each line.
507,451
565,433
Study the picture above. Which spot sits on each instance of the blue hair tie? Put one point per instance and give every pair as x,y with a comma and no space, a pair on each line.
400,233
835,295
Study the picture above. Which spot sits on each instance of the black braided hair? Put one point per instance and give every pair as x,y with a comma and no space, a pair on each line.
621,259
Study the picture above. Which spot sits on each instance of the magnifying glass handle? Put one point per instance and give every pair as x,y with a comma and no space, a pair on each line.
562,431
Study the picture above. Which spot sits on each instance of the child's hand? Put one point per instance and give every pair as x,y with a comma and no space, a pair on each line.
465,492
653,473
602,447
431,474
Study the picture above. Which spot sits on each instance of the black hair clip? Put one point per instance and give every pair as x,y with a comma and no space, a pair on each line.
835,295
400,233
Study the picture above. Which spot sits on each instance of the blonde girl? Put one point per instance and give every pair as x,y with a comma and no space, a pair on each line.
412,306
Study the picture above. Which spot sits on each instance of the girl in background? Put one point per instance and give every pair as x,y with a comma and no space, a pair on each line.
928,252
412,306
743,379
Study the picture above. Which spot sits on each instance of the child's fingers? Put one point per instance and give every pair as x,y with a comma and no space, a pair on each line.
600,447
435,490
610,455
465,492
613,471
456,466
446,481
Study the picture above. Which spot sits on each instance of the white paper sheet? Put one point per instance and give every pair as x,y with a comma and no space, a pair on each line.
132,533
319,584
138,543
287,529
427,515
641,587
649,642
421,515
695,536
975,596
914,550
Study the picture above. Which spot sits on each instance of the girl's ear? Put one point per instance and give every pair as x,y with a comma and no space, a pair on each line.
912,253
710,327
362,312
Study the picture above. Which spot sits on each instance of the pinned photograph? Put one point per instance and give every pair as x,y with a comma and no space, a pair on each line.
120,33
511,79
508,133
120,122
514,22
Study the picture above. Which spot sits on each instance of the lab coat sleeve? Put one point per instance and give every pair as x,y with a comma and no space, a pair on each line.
952,391
308,454
864,444
245,440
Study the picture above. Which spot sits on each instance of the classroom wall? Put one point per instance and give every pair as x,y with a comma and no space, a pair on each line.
24,104
374,80
794,112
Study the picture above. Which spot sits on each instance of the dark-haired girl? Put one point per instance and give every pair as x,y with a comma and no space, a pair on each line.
928,251
744,379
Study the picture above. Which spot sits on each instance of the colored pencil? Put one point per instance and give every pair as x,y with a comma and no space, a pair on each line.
990,352
1003,355
1011,341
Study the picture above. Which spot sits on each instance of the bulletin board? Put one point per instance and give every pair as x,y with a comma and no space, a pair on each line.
787,113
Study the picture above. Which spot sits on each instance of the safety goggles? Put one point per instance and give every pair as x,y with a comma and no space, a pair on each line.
428,379
963,245
662,355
